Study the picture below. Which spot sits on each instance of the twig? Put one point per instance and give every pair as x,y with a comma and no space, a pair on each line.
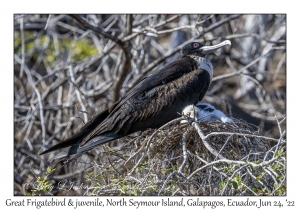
245,67
147,28
232,176
282,59
206,144
245,35
158,61
126,67
23,48
240,134
185,136
78,95
48,21
279,186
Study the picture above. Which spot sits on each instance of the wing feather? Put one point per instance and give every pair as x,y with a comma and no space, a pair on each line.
154,97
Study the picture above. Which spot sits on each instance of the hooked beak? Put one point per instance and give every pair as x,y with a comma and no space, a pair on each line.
208,49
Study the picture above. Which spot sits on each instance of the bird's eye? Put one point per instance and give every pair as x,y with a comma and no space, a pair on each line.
196,45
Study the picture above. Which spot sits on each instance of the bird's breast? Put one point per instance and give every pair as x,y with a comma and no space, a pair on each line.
206,65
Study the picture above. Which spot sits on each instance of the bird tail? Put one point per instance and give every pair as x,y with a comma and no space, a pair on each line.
66,143
75,142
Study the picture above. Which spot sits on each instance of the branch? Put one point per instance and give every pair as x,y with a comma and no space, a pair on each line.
247,66
127,65
158,61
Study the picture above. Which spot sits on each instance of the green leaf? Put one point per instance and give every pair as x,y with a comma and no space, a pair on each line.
234,184
222,185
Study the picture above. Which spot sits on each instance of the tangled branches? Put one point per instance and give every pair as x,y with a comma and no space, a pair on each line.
199,159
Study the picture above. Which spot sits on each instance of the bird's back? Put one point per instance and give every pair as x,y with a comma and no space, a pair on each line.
157,99
154,101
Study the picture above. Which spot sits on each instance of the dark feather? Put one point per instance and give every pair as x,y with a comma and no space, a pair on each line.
156,100
77,138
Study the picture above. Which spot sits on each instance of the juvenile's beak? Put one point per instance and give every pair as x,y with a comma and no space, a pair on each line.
208,49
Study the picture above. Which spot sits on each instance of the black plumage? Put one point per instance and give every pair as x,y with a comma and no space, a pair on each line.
154,101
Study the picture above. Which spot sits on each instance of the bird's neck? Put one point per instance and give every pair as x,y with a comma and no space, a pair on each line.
204,64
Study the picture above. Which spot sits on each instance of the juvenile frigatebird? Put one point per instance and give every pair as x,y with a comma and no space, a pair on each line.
154,101
205,112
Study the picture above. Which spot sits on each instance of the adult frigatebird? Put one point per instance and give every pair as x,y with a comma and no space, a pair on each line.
154,101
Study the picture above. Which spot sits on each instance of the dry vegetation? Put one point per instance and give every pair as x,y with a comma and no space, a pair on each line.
67,68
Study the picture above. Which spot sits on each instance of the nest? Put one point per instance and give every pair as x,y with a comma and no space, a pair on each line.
168,141
211,158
